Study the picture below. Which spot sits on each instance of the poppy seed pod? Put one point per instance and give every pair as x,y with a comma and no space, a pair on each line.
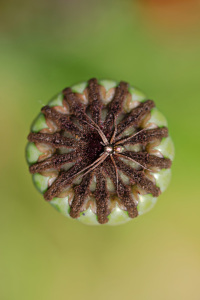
100,152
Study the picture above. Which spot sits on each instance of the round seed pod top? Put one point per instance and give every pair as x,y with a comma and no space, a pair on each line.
100,152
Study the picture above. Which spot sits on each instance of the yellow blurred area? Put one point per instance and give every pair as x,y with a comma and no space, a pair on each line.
46,46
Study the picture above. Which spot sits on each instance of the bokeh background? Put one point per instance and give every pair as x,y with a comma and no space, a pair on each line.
46,45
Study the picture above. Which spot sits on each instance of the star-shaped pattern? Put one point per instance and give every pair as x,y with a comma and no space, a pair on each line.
96,146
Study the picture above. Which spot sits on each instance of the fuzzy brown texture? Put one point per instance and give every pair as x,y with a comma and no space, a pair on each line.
97,148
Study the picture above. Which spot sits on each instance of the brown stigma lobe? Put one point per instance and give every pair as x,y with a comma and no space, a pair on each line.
91,148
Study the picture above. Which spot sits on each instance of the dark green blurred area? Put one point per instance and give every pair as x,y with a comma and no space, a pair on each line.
46,46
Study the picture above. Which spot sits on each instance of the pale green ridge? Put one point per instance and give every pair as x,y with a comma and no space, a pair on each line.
118,217
39,123
166,147
79,88
163,179
88,217
137,95
145,203
56,101
108,84
32,153
157,117
61,205
40,182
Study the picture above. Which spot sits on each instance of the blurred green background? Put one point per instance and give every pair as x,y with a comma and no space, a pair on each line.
48,45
